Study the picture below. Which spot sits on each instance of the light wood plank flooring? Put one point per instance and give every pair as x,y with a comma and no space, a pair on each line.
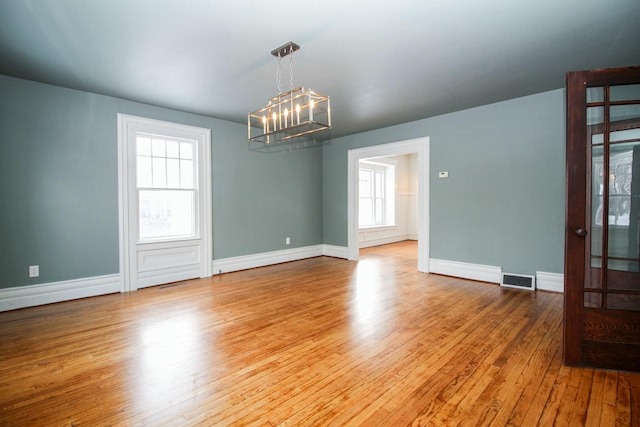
321,341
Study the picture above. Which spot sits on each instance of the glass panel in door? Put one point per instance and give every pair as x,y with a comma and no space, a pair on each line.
613,275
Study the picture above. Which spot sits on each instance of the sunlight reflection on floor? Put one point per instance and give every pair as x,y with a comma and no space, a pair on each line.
169,360
370,292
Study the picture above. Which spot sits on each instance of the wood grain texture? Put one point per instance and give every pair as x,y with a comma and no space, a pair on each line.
321,341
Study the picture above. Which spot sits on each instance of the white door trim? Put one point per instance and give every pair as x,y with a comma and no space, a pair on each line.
419,146
125,124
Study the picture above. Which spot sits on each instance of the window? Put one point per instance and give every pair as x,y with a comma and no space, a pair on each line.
166,187
376,192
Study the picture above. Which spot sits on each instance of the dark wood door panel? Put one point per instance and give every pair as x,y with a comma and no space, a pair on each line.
602,256
612,326
625,357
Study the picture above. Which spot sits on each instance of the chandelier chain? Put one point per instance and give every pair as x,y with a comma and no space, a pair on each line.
291,71
278,75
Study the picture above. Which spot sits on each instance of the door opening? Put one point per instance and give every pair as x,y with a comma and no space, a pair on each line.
419,147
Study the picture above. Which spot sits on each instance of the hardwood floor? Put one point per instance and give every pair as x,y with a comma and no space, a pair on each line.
321,341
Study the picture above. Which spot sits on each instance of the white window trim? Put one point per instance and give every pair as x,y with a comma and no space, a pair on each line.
125,124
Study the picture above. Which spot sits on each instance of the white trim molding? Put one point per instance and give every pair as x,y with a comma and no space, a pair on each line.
383,241
419,146
481,273
245,262
335,251
47,293
129,246
553,282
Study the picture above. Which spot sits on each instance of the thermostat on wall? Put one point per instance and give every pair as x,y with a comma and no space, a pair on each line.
444,174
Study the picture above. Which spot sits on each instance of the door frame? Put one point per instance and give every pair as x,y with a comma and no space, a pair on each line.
419,146
125,123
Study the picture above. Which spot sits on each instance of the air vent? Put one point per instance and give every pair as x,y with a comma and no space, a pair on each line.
519,281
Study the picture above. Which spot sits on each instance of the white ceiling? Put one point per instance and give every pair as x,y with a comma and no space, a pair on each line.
381,62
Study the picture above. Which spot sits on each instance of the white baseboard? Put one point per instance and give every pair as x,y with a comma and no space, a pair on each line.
335,251
47,293
482,273
227,265
553,282
382,241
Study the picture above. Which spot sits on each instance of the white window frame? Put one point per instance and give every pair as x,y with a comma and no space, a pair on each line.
388,168
128,235
193,189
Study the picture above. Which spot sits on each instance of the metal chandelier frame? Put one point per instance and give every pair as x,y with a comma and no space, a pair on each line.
295,115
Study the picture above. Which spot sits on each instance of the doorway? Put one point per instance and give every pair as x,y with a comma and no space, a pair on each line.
388,200
419,147
164,200
602,261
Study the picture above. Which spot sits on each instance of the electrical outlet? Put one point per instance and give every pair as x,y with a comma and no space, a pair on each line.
287,241
34,270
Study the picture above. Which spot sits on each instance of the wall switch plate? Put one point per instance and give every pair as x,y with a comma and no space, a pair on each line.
443,174
287,241
34,270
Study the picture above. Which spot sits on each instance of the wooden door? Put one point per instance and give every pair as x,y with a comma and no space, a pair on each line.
602,239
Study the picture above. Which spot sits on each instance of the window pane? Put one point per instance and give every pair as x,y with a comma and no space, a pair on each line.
625,93
623,302
159,173
143,146
166,213
595,94
597,138
379,192
186,150
379,211
623,228
365,212
625,112
623,275
158,147
595,115
186,174
173,173
173,149
597,201
365,183
624,135
592,300
144,172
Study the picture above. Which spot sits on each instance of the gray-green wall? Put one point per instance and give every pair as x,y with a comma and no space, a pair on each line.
59,185
503,203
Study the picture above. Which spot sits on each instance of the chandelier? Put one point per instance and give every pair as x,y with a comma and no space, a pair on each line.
292,116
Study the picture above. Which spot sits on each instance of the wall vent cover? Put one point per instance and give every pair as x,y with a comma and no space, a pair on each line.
519,281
